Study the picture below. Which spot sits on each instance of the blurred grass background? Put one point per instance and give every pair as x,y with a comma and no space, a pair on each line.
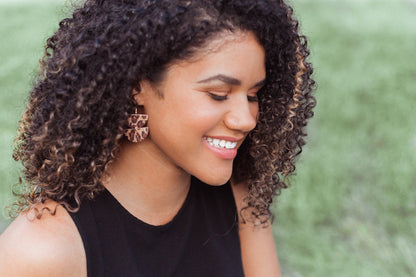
351,210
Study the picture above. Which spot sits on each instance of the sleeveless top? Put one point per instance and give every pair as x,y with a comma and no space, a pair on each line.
201,240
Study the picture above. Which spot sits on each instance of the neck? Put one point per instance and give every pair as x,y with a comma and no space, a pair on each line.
149,185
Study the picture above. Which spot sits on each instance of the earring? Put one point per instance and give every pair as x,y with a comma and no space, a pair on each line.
136,132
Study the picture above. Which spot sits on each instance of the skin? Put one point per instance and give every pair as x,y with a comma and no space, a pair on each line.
213,95
50,246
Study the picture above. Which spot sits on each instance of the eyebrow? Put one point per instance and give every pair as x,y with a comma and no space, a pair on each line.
229,80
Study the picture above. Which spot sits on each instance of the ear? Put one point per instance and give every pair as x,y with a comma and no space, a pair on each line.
141,92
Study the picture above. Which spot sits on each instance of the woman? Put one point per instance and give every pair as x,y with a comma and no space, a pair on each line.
129,140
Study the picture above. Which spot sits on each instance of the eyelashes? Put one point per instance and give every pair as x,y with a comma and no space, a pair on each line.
217,97
225,97
253,98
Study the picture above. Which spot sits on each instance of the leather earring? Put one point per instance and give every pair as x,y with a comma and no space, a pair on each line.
136,131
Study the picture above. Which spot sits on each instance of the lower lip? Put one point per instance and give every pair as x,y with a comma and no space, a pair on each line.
224,153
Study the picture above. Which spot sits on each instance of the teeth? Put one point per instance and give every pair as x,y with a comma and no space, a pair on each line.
221,143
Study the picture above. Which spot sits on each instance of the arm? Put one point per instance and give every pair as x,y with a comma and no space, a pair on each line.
258,250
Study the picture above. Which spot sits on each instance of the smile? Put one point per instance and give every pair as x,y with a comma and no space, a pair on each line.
220,143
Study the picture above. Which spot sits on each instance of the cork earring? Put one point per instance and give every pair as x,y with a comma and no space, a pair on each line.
136,131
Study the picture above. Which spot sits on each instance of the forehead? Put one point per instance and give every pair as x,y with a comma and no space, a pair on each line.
240,49
218,42
212,45
237,56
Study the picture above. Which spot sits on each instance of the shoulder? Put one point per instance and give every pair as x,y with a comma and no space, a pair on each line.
45,246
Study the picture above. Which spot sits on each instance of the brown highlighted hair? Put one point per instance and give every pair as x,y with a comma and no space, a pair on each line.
73,124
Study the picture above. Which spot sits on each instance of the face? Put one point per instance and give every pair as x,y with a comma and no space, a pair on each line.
208,107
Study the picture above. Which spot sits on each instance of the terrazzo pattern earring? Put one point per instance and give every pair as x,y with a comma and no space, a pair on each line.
136,131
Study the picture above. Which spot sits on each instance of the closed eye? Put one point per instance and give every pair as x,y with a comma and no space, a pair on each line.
224,97
217,97
253,98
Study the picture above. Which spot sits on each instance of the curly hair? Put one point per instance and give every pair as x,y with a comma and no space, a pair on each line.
73,124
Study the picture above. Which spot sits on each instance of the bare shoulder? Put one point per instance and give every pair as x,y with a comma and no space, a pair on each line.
45,246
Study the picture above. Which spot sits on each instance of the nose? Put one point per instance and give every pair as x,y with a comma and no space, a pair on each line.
242,114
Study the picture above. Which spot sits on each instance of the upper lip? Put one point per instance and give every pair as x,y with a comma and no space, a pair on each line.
232,139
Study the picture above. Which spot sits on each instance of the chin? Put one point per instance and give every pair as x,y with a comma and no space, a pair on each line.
215,179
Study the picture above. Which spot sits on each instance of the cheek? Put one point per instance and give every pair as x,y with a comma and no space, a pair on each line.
183,118
197,113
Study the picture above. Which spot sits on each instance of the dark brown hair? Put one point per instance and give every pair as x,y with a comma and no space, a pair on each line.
73,124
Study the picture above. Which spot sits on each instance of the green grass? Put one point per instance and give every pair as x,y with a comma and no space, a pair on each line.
351,210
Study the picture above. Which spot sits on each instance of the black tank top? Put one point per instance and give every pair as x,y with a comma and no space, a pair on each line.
201,240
